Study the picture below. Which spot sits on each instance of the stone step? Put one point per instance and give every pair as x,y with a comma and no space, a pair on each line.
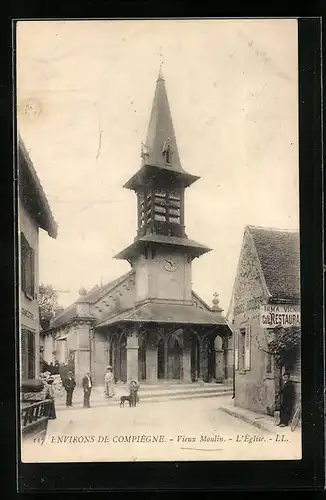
163,398
182,392
148,391
179,397
152,392
164,387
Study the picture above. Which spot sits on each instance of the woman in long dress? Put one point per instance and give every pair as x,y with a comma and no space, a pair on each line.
50,395
109,383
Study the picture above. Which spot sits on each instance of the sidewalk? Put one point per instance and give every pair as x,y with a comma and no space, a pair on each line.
262,421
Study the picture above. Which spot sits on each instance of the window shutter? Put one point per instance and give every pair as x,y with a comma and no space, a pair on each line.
23,261
32,272
24,354
247,347
31,355
236,349
29,276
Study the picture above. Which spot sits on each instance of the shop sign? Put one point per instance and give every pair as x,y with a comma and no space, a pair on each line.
27,313
280,316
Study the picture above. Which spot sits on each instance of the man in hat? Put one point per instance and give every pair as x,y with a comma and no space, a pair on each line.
287,395
69,384
87,386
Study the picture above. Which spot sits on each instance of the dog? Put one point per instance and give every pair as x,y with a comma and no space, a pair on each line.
133,397
123,399
132,400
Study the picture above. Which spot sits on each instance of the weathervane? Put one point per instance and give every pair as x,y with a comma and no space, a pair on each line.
160,74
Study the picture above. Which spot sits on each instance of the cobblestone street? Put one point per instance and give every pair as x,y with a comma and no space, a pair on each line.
168,430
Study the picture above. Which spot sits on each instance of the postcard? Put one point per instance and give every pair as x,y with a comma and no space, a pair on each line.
159,273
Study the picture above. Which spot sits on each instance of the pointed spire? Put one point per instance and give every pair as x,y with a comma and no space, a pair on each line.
161,142
160,149
160,73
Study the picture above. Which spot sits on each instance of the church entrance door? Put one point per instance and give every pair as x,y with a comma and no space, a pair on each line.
175,356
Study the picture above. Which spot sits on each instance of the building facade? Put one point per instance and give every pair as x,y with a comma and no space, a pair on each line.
33,213
149,324
265,304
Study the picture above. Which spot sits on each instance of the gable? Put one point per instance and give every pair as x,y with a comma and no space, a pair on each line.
117,298
198,302
32,194
106,300
249,289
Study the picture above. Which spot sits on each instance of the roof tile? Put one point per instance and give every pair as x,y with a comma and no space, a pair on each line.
279,255
167,313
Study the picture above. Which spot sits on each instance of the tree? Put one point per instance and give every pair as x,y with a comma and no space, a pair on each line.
48,303
285,346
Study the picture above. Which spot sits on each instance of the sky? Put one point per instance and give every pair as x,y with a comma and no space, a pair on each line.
84,95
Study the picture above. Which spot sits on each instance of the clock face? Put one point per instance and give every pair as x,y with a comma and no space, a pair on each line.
170,264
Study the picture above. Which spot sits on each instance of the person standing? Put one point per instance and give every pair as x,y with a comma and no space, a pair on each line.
50,395
87,386
133,392
109,383
69,384
287,395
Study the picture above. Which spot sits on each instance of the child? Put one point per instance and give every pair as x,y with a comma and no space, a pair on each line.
133,392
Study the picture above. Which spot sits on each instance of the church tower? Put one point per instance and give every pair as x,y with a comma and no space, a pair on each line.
161,253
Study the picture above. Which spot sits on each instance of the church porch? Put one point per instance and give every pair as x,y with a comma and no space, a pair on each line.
160,354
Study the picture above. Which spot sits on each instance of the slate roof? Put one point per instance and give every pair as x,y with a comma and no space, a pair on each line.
32,193
63,318
160,129
198,248
97,292
167,313
92,296
279,256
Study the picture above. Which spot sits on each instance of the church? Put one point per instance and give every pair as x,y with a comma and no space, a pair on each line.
149,324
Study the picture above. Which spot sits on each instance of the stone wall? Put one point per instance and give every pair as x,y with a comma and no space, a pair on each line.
229,361
153,280
254,387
